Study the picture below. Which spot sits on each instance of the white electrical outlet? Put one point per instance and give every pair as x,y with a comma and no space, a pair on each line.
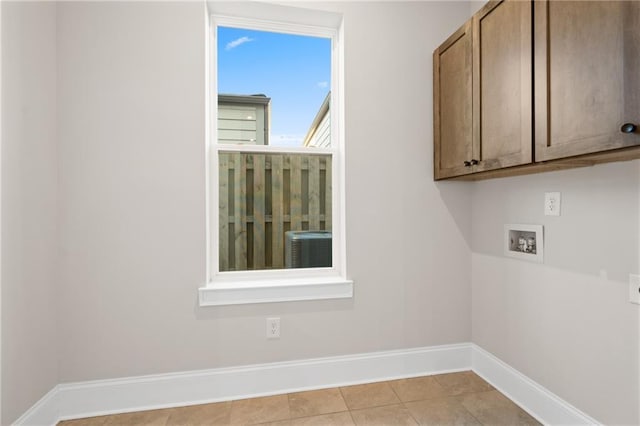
273,328
634,288
552,204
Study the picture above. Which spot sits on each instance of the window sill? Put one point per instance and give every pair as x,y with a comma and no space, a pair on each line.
287,290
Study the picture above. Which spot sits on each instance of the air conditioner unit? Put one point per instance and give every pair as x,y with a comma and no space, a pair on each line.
307,249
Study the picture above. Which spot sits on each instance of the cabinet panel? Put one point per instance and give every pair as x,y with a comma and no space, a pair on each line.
452,80
502,85
587,76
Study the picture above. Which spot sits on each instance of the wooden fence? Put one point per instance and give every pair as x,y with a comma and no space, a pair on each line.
261,196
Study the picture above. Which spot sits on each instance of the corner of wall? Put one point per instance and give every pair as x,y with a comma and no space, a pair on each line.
28,200
523,312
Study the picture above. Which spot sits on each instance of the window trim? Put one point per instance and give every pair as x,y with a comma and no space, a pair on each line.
241,287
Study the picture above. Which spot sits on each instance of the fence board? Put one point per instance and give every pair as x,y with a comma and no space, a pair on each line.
296,193
223,212
240,224
277,211
258,211
314,193
328,206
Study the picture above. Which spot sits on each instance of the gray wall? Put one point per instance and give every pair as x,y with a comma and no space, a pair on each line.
29,206
116,213
566,323
103,190
132,197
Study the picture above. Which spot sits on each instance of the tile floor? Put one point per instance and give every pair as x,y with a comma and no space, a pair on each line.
445,399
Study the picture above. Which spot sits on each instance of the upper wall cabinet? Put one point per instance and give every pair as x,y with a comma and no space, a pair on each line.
502,69
577,62
482,88
587,77
453,94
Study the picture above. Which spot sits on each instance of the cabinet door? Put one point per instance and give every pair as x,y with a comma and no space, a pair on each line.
503,134
452,109
587,76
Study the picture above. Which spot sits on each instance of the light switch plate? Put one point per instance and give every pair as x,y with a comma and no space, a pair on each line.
552,204
634,289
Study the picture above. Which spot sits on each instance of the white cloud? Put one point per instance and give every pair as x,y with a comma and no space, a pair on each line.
237,42
323,84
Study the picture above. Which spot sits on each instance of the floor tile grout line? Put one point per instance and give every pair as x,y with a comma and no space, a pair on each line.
454,398
393,389
377,406
457,399
289,405
291,416
404,405
351,416
346,404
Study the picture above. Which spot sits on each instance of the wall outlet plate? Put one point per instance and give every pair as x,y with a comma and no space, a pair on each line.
634,289
552,204
273,328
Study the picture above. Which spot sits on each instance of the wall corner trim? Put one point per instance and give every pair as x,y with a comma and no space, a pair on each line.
538,401
93,398
43,412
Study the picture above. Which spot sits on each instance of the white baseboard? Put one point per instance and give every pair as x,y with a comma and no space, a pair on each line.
542,404
77,400
43,412
86,399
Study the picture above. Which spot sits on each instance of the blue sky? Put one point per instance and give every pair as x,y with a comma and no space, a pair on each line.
294,71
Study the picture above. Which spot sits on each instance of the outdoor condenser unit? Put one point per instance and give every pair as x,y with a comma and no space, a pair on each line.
307,249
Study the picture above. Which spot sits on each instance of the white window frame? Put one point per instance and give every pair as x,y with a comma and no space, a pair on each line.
261,286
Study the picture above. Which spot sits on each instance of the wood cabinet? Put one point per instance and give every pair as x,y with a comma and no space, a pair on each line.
584,88
482,92
502,69
452,104
587,76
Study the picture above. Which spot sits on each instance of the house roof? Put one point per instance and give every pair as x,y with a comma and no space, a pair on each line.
324,109
244,99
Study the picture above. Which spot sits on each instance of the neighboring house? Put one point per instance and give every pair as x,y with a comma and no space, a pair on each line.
243,119
319,134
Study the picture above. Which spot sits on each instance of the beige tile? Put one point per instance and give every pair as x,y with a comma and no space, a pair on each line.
463,382
313,403
146,418
495,409
260,410
441,411
384,416
370,395
89,421
278,423
333,419
417,389
207,414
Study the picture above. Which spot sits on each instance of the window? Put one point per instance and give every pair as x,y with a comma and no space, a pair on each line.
276,156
